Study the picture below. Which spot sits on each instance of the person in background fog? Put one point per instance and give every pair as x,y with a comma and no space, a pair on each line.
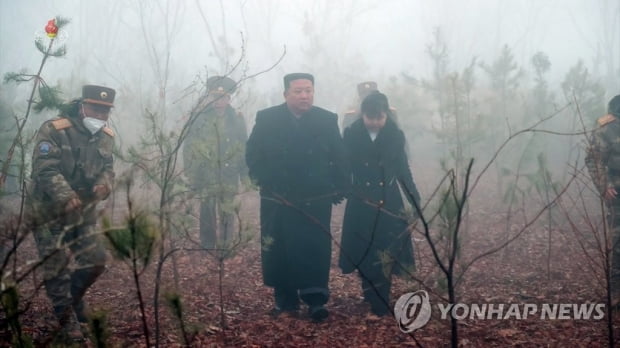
213,158
603,163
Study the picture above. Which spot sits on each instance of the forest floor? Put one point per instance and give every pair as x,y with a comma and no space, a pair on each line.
523,273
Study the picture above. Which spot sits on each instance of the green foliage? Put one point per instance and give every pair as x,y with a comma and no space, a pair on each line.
459,129
513,192
267,243
134,241
442,283
10,303
438,53
505,77
49,98
156,158
538,183
541,98
504,73
581,87
58,52
60,22
542,181
21,76
174,301
387,262
98,324
448,212
540,62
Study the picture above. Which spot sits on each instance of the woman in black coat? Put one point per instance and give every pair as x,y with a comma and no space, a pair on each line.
375,237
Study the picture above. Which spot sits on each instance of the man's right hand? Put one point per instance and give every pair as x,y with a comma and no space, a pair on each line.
73,205
611,193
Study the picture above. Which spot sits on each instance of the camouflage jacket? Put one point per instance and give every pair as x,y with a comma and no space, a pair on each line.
214,150
68,161
603,154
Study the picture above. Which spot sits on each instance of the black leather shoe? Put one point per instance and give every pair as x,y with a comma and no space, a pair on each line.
277,310
318,313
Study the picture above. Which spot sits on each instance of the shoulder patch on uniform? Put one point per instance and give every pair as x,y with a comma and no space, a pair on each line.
61,123
605,119
44,148
108,131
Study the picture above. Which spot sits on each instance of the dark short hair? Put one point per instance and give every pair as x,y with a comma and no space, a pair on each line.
374,104
614,106
296,76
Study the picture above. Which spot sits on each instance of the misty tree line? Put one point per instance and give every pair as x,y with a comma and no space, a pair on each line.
468,113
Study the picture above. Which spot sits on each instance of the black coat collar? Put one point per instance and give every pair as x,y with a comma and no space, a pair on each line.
388,134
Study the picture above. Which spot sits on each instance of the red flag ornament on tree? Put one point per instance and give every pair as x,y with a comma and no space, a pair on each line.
51,29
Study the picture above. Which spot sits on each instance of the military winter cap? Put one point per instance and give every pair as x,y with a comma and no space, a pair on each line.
297,76
98,95
364,88
221,85
614,106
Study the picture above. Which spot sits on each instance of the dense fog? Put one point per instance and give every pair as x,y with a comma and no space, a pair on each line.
139,47
515,85
463,76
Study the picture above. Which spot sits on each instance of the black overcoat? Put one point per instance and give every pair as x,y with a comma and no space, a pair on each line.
299,166
374,224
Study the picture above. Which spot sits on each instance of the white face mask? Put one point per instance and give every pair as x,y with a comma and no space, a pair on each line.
93,124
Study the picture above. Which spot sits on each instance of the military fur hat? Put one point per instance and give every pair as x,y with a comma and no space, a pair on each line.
98,95
221,85
297,76
364,88
614,106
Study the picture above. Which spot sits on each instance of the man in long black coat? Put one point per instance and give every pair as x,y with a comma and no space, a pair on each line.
296,156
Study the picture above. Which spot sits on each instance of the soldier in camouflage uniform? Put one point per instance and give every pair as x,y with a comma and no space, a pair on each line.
213,157
603,162
71,172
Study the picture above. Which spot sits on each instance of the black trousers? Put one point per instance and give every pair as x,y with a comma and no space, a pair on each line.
376,288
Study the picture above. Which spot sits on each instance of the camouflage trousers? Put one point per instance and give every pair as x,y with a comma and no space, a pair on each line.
210,209
614,222
72,256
